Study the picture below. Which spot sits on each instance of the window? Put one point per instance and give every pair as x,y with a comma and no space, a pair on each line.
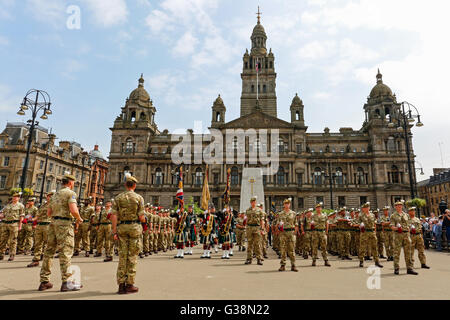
280,145
2,182
363,150
129,146
301,203
6,161
281,177
360,176
264,180
50,168
299,179
395,175
342,150
2,143
264,88
234,176
253,88
235,143
198,177
48,186
38,183
155,200
339,178
41,165
299,148
159,176
319,199
362,200
216,178
341,202
317,177
257,144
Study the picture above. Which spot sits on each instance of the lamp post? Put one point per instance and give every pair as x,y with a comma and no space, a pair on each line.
35,101
405,118
41,196
330,176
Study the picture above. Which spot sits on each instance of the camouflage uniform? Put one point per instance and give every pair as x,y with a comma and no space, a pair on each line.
307,237
41,231
368,237
332,239
13,213
401,239
60,235
104,233
240,232
156,232
25,238
93,231
319,236
254,217
128,207
84,229
417,240
287,223
344,236
388,237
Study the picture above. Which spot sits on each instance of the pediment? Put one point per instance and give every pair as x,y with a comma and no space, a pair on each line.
257,120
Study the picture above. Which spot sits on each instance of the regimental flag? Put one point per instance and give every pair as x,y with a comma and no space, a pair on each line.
272,207
180,193
205,193
226,194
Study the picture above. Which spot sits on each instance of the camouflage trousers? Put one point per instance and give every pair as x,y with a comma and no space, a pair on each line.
299,244
25,238
60,237
104,239
93,237
9,237
83,237
129,248
319,238
145,241
380,243
161,241
240,237
276,241
40,241
344,238
307,243
332,243
254,242
388,242
402,240
156,241
287,244
417,243
357,242
264,240
368,240
151,240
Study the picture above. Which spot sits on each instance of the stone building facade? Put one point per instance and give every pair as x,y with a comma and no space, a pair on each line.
435,190
66,156
368,164
97,175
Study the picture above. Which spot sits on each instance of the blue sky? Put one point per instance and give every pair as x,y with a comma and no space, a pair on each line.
191,50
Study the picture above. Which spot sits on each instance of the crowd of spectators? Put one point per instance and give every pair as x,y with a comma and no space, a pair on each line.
436,231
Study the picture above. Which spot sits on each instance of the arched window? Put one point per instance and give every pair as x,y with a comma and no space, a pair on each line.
129,146
360,176
253,88
271,64
281,176
158,177
198,177
264,88
142,117
317,176
133,116
377,112
339,179
217,116
176,176
280,145
395,175
246,65
234,176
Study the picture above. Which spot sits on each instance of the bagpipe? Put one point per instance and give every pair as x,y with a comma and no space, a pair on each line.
180,223
225,227
207,227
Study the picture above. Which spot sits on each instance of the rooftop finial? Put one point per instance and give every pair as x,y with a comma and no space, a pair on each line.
379,76
258,14
141,80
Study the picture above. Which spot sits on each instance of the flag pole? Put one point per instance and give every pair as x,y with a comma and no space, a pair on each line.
257,80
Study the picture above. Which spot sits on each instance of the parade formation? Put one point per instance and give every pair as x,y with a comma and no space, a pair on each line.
130,229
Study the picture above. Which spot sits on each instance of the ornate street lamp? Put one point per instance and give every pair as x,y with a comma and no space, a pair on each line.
36,101
331,177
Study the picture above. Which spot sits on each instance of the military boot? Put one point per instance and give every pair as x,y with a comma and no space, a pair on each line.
87,254
33,264
424,266
97,255
108,259
76,253
348,258
2,257
11,258
396,271
45,286
378,265
361,264
70,286
411,271
122,289
282,268
259,262
382,257
327,264
248,261
314,263
131,289
293,268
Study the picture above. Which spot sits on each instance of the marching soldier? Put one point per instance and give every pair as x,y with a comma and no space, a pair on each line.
320,226
13,213
127,216
380,238
400,226
87,213
62,209
191,231
104,232
227,222
415,227
357,231
207,227
332,238
25,241
307,233
156,231
180,236
287,227
255,230
352,231
93,228
96,225
240,231
41,232
344,236
368,237
387,234
264,236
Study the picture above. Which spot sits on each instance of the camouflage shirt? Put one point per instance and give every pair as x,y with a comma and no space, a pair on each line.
416,223
87,213
30,213
14,212
42,215
368,220
288,219
400,218
254,217
60,203
320,220
128,206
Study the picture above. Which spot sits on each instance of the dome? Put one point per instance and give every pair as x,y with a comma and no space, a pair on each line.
218,100
259,31
380,89
140,93
96,154
297,100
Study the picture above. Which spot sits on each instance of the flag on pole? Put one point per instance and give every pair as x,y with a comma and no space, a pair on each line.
180,193
205,193
226,194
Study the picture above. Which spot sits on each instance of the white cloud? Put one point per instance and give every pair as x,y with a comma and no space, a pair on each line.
108,13
186,45
5,8
9,103
52,12
70,68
